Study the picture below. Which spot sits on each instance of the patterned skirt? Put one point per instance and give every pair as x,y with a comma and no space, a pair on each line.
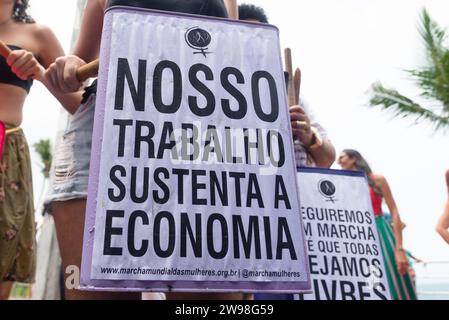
401,287
17,224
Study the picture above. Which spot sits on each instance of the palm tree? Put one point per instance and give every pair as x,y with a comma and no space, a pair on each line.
432,79
43,148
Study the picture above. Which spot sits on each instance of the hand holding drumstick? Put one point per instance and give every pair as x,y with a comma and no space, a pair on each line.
25,66
68,73
300,122
23,63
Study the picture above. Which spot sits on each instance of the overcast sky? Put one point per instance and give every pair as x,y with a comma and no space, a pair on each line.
342,47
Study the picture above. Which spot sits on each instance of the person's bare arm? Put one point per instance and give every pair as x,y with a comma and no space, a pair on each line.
87,46
323,155
401,258
49,50
389,200
232,7
443,224
62,73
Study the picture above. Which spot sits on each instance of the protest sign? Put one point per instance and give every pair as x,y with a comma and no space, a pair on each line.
193,179
345,254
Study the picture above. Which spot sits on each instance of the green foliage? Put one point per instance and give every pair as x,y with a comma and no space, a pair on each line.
43,148
432,79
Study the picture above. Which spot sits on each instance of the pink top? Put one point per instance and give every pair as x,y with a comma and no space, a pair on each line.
2,138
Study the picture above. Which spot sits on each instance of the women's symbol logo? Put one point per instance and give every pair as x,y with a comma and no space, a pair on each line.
198,39
327,189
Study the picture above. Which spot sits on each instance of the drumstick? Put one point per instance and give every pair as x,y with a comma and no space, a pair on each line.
4,50
297,84
289,69
87,71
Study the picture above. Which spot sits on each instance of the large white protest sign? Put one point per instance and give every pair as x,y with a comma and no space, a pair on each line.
192,183
345,255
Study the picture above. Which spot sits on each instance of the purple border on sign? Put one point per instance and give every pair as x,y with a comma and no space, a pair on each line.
86,282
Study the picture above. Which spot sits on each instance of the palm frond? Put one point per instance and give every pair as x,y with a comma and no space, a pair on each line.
432,34
433,86
400,105
434,78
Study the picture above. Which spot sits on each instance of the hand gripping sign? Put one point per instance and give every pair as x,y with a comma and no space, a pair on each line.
192,180
345,251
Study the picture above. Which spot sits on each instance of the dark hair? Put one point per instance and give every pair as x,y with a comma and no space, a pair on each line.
19,13
252,12
362,165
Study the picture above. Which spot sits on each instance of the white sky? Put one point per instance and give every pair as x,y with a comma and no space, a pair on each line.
342,47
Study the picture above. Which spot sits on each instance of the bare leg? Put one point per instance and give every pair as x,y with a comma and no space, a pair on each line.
69,221
248,296
153,296
5,289
204,296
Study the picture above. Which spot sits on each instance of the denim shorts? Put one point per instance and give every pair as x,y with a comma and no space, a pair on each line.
70,171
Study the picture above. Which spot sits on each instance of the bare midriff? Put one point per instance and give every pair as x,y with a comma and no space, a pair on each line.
12,99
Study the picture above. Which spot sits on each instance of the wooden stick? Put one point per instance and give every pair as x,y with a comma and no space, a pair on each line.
297,84
233,9
4,50
87,71
289,70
